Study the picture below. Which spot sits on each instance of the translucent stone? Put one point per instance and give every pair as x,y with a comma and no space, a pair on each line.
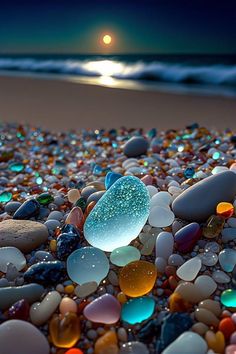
137,310
160,264
164,245
16,167
137,278
220,277
64,330
228,234
152,190
105,309
124,255
161,216
45,198
228,298
111,178
212,247
73,195
119,216
219,169
227,259
161,198
205,285
213,227
225,209
5,197
40,312
187,237
11,255
175,260
87,264
75,217
86,289
189,270
186,341
68,305
208,259
133,348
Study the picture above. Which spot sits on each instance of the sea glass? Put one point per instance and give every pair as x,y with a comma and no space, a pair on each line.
137,310
228,298
5,197
225,209
124,255
64,330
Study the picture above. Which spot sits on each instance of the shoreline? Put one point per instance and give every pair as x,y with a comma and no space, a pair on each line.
60,104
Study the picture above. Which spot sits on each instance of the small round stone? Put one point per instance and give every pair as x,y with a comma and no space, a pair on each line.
73,195
11,255
105,309
124,255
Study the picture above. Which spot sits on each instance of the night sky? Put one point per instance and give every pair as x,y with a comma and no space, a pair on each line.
147,26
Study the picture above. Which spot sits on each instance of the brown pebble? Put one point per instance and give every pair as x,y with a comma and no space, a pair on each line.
211,305
206,316
200,328
170,270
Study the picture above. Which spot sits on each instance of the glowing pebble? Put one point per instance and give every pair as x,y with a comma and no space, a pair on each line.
137,310
124,255
87,264
228,298
225,209
119,216
137,278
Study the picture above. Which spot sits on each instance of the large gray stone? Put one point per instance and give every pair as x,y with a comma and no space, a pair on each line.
25,235
136,146
199,201
30,292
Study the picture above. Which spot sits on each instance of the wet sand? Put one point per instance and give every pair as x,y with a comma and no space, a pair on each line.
60,105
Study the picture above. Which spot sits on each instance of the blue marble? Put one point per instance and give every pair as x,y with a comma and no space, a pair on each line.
119,216
137,310
111,178
87,264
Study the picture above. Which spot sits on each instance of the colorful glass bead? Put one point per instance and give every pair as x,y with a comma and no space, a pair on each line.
45,198
105,309
64,330
87,264
5,197
137,278
19,310
111,178
227,259
81,203
137,310
124,255
213,227
224,209
119,216
16,167
228,298
189,172
187,237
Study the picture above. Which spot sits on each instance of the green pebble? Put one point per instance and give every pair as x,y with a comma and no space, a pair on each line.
45,198
81,202
5,197
228,298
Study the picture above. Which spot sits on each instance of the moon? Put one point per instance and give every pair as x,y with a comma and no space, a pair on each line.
107,39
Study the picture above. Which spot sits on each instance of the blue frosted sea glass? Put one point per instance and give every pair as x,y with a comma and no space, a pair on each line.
119,215
111,178
87,264
137,310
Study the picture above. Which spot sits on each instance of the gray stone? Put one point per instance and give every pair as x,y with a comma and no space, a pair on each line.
26,235
136,146
11,207
31,293
95,197
199,201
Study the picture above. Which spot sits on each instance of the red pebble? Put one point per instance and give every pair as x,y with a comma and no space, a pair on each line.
227,327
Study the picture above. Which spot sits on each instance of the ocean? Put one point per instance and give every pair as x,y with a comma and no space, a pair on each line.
188,74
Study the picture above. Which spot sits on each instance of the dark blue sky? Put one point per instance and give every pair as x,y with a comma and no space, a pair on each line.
147,26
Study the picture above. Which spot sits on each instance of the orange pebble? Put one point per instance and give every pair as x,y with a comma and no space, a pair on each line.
106,343
227,327
69,289
177,303
225,209
74,351
172,282
53,245
121,297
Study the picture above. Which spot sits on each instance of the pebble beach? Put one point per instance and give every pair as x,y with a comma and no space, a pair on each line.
117,241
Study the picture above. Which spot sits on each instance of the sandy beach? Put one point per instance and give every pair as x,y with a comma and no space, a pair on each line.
60,105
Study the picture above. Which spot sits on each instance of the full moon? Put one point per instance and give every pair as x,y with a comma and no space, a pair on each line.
106,39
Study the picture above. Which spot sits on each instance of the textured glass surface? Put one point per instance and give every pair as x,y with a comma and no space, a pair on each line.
119,215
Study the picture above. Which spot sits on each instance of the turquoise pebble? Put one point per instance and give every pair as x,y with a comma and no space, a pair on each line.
124,255
111,178
16,167
119,216
228,298
189,172
137,310
87,264
5,197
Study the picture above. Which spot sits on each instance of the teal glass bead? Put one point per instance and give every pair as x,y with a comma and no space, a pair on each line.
119,216
16,167
45,198
87,264
81,203
5,197
111,178
189,172
228,298
137,310
124,255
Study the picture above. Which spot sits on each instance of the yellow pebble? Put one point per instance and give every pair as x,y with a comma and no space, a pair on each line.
215,341
53,245
121,297
107,344
69,289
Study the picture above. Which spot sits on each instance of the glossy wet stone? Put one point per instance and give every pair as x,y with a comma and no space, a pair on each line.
214,226
21,337
199,201
226,210
124,255
40,312
104,309
137,310
119,216
164,245
64,330
228,298
45,272
137,278
75,217
19,310
16,167
133,348
66,244
11,255
227,259
27,210
189,270
5,197
184,342
136,146
87,264
111,178
187,237
45,198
